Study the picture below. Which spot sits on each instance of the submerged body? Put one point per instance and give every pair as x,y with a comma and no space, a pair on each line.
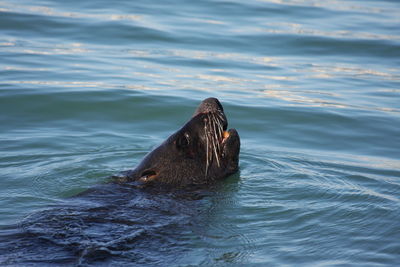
201,152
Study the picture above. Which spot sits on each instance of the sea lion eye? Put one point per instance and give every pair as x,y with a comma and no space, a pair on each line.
183,141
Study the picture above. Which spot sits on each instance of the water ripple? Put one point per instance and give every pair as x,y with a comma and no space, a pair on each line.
312,86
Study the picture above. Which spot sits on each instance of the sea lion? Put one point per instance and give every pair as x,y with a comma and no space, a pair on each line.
201,152
115,223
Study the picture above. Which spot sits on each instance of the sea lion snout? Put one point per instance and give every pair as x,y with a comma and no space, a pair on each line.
208,105
212,105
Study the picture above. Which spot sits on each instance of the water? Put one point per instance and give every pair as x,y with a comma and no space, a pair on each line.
87,88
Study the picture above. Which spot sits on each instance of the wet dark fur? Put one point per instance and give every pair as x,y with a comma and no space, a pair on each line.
111,225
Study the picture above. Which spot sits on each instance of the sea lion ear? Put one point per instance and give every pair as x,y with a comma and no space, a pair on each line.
183,141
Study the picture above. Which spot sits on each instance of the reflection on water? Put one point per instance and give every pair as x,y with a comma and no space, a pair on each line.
253,78
292,28
50,11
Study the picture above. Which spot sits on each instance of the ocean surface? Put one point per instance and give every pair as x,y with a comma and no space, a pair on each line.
87,88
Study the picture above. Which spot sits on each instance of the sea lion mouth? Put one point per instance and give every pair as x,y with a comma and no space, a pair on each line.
225,136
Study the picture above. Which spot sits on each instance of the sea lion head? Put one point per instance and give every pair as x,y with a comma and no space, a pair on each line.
201,152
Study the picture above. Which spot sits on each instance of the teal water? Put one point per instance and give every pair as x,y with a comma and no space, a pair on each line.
313,88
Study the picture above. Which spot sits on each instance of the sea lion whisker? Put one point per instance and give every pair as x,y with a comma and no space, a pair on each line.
219,114
215,120
220,133
210,137
215,151
216,140
216,126
220,128
205,132
220,125
215,134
